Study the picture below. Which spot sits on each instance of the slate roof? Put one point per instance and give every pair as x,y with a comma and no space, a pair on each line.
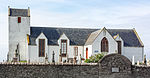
92,37
128,36
18,12
78,36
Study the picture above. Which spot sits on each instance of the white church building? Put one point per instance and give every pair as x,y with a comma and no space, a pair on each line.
40,44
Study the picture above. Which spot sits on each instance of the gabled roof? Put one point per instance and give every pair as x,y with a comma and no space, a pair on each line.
93,36
78,36
18,12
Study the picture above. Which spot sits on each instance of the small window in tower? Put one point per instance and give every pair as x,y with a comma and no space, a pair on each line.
19,19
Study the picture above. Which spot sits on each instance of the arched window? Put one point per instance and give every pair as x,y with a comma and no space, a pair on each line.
104,45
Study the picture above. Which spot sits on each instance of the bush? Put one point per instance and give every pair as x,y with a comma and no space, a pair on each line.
94,59
87,61
23,61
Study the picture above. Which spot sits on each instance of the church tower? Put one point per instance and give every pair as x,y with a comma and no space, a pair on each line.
19,31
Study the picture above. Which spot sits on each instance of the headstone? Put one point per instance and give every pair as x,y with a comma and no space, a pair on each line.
60,57
74,60
80,59
53,59
147,62
46,58
138,63
145,59
133,60
15,59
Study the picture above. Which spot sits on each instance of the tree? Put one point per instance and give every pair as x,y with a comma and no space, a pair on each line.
95,58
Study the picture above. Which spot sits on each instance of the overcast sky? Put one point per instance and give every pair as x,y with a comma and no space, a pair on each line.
116,14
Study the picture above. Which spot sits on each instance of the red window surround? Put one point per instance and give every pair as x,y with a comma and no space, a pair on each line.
19,19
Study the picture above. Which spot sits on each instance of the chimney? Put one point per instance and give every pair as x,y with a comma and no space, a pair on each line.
8,10
28,11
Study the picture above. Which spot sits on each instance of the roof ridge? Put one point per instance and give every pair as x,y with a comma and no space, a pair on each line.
63,27
119,29
77,28
18,8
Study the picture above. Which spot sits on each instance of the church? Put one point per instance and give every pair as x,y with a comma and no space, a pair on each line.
53,44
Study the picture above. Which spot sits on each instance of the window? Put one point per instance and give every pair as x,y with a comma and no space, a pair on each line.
76,51
104,45
19,19
41,47
63,47
119,47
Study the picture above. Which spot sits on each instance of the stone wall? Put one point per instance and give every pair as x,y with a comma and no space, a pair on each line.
111,66
141,71
49,71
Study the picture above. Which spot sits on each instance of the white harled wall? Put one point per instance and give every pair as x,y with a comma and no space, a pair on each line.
54,48
89,51
18,35
96,45
34,50
72,53
122,44
137,52
34,56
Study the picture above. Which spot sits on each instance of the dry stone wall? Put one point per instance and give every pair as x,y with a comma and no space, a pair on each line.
111,66
48,71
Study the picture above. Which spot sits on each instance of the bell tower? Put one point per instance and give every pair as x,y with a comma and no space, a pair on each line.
19,30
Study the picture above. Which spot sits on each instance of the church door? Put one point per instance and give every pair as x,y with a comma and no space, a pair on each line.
86,53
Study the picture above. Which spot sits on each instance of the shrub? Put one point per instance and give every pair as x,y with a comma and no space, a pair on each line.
95,58
23,61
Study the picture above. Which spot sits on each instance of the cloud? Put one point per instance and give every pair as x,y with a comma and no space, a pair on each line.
3,36
126,16
85,14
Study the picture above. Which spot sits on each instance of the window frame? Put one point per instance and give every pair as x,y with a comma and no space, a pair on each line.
119,47
41,47
76,51
104,45
19,19
63,52
87,53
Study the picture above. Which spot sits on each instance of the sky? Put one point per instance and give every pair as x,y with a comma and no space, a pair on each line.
112,14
